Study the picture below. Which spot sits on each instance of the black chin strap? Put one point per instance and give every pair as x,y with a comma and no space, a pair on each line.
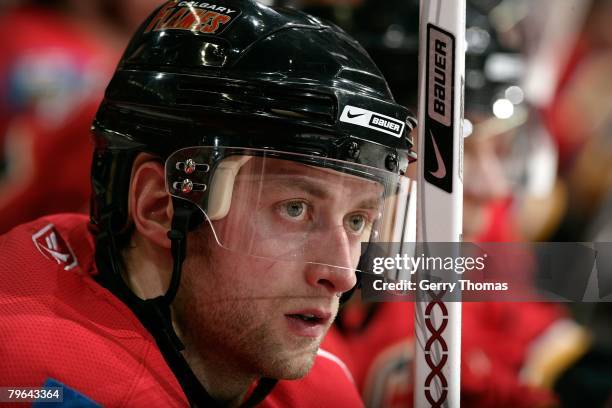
155,313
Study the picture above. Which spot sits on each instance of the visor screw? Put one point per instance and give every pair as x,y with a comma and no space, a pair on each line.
353,150
187,186
391,162
190,166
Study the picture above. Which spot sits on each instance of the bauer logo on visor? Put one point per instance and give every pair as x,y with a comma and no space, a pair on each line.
372,120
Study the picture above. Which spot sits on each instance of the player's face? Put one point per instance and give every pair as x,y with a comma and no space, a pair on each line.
264,315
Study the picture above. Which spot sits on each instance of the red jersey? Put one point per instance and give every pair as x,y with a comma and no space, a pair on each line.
58,324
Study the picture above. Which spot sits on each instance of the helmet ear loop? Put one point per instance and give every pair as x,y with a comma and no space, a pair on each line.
346,296
361,266
178,236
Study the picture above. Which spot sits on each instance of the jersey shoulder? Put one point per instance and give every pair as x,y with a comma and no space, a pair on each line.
58,324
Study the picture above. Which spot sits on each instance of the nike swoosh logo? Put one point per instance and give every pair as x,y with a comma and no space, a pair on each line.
441,171
353,115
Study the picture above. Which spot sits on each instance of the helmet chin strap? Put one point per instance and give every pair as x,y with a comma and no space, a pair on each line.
156,316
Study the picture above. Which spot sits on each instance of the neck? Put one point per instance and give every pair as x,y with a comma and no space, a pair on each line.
148,268
224,381
148,277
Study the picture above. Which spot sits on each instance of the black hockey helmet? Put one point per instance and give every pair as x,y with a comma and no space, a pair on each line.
242,74
209,87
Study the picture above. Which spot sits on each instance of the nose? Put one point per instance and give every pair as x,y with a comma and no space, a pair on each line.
333,266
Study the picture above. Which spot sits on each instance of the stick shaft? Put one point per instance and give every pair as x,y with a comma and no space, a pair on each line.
440,206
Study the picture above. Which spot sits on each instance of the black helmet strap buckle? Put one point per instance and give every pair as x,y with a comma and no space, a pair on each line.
178,237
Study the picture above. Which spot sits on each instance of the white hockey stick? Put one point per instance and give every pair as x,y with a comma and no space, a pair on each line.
440,194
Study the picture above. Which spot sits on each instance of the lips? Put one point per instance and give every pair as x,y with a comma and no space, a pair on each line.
308,323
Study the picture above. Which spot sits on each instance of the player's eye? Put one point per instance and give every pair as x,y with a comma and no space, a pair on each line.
356,223
294,210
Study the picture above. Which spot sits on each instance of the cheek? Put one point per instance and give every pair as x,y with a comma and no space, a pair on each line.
224,274
217,274
265,277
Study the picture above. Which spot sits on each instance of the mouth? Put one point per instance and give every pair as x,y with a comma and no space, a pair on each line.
308,323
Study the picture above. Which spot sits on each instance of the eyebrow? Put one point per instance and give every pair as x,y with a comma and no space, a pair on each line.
317,189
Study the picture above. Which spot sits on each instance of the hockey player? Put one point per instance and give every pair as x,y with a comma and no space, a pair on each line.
243,156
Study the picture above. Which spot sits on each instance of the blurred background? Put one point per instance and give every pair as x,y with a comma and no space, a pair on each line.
538,166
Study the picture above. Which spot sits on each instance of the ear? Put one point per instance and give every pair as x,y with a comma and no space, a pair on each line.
150,204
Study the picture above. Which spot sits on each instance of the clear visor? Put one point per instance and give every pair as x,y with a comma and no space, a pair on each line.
291,207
